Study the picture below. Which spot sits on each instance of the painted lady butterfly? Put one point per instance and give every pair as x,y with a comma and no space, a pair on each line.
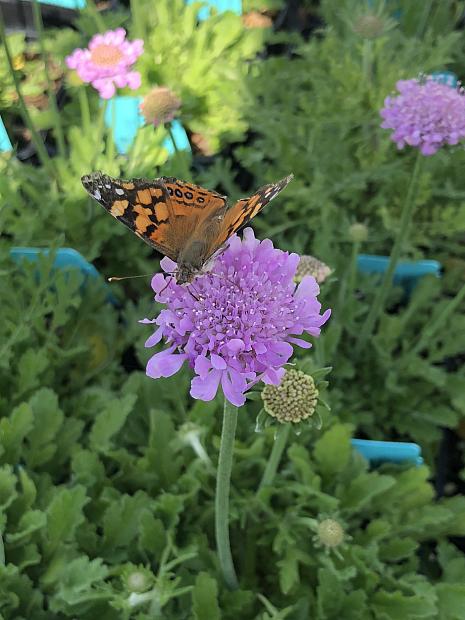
181,220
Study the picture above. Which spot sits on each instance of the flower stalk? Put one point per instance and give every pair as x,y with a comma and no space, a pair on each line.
51,91
223,483
386,284
280,442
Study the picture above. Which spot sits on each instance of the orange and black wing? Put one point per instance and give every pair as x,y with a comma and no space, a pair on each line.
245,209
163,212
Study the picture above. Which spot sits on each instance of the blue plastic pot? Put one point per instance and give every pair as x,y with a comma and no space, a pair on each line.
220,5
407,273
445,77
377,452
5,144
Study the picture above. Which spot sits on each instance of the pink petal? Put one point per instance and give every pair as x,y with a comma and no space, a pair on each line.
154,338
105,87
202,366
231,391
273,376
133,80
158,282
235,345
164,364
168,265
218,362
206,388
307,288
300,343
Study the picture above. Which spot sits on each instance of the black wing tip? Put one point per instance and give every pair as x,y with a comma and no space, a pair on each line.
88,180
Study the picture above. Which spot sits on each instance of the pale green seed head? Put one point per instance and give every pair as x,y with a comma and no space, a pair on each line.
293,400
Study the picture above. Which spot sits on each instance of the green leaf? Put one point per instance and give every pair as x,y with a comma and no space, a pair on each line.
121,520
289,570
451,600
78,581
65,514
30,368
152,535
29,523
7,486
364,488
48,419
110,421
205,598
395,605
13,430
330,594
333,450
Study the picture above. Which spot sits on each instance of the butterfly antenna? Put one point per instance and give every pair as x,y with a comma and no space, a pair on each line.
118,278
166,285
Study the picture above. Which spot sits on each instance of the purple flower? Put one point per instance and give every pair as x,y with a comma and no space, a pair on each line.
426,114
107,61
235,325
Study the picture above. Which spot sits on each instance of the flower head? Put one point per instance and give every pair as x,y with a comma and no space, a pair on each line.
107,61
159,106
293,400
426,115
369,26
235,325
311,266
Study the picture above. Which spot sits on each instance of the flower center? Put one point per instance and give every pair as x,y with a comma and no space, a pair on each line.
106,55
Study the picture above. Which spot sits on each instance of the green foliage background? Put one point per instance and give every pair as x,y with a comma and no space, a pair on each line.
106,502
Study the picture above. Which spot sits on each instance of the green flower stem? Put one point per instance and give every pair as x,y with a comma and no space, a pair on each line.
399,242
51,91
436,325
282,435
95,14
85,110
36,139
179,154
138,19
223,482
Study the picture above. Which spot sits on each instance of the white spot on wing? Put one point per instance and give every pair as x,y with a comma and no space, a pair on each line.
119,191
97,195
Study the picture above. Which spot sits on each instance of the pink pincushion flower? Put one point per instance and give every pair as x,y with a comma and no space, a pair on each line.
106,62
237,324
426,114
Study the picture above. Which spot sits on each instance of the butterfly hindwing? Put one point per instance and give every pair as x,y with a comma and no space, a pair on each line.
240,214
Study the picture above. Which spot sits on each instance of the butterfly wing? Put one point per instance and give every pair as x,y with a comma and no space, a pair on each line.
244,210
164,212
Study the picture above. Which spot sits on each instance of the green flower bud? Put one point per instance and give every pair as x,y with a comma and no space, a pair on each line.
358,233
293,400
330,533
369,26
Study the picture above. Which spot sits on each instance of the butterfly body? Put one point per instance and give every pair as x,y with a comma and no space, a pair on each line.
183,221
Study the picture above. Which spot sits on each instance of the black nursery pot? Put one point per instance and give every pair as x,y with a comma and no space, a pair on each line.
18,17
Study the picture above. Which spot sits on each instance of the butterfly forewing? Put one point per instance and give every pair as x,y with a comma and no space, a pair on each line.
143,206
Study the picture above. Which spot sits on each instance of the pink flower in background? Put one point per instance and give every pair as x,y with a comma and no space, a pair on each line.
425,114
237,324
107,61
